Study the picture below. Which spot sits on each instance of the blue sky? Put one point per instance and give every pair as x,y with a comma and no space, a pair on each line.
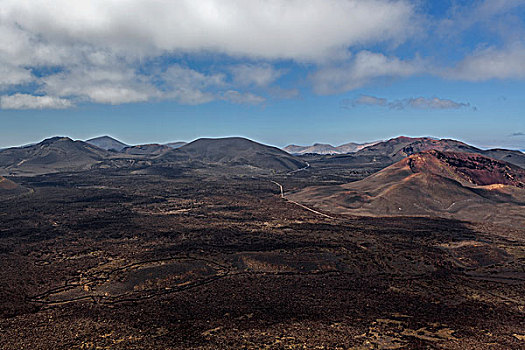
280,72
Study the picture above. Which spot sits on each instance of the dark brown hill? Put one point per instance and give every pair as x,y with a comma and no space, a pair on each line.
446,184
235,151
57,154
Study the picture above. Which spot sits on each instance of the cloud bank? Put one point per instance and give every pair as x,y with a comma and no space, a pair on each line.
96,51
133,51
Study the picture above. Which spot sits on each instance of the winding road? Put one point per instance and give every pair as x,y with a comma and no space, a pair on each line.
299,204
297,170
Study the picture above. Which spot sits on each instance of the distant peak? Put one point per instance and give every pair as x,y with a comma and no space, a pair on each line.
104,137
107,142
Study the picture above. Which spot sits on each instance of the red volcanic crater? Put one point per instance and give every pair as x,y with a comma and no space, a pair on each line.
474,168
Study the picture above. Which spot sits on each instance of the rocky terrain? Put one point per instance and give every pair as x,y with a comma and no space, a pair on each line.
105,259
228,243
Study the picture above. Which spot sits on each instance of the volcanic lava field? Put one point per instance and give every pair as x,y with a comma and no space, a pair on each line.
109,259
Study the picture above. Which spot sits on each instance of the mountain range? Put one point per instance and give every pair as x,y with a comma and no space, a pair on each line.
419,176
62,154
319,148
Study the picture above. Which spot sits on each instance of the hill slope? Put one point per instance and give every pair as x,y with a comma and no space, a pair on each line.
447,184
234,151
57,154
107,143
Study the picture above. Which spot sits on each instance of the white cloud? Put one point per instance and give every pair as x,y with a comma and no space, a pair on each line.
491,8
494,15
280,93
100,85
188,86
271,29
362,69
242,98
412,102
116,85
190,96
25,101
177,75
114,51
464,16
12,75
260,75
98,47
491,63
